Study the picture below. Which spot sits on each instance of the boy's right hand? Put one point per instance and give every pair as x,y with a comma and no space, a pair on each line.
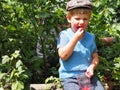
79,34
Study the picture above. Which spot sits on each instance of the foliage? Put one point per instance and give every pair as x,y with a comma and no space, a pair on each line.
13,74
102,19
26,23
54,80
104,24
116,69
32,26
108,69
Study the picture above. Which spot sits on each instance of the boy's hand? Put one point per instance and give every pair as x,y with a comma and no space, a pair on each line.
89,72
79,34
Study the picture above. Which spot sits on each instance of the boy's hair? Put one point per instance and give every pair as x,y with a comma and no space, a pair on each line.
73,4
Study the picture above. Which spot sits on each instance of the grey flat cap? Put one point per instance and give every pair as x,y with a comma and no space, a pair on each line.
72,4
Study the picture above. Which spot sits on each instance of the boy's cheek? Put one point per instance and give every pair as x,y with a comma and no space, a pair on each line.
75,29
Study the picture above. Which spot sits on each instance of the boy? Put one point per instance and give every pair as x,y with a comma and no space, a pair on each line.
77,49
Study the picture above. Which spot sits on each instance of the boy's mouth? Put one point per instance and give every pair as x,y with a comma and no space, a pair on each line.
81,27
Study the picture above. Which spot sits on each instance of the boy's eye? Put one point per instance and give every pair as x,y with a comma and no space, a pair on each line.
77,18
84,19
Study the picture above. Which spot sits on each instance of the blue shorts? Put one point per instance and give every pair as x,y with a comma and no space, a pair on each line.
73,84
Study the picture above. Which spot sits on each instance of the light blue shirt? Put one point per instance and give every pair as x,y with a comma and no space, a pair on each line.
81,56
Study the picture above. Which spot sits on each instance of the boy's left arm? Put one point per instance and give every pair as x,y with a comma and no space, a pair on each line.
95,61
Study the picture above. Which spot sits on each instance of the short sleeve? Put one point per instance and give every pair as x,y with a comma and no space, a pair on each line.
62,40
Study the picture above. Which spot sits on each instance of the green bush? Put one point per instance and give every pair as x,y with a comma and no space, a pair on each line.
27,25
13,74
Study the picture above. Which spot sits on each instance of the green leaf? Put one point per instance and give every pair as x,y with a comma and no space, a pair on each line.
1,88
12,73
5,59
11,27
19,63
18,85
2,75
16,54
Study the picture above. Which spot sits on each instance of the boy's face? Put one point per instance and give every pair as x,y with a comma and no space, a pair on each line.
78,21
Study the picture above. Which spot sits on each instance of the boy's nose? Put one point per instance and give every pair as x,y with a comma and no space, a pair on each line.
81,21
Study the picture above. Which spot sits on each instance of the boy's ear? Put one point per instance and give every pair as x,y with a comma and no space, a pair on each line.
68,17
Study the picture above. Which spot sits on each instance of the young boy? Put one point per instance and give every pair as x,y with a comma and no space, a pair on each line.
77,49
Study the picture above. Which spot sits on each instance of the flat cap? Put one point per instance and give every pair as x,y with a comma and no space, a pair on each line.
72,4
